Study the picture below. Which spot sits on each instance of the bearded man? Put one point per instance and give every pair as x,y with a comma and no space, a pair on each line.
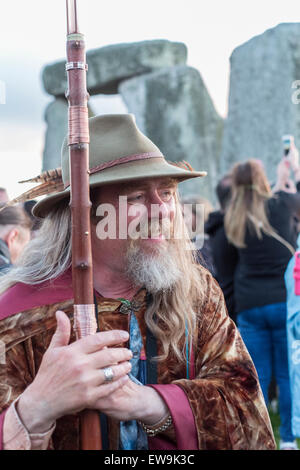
167,369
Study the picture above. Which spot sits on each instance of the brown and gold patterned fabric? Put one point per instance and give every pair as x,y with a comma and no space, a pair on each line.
225,396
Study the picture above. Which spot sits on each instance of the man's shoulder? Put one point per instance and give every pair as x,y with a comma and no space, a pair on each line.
211,298
22,297
209,284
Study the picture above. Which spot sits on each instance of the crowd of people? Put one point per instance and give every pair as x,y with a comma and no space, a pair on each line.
252,238
248,246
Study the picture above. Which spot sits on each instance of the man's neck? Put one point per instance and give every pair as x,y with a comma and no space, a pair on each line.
112,284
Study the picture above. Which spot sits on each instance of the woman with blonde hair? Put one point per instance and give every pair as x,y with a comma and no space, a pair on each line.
261,224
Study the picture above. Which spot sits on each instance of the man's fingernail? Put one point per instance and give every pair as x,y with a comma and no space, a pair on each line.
124,334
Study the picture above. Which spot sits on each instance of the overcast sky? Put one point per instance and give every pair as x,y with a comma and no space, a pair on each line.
33,33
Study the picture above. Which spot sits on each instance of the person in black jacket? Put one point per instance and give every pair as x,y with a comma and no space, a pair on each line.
262,227
15,227
224,254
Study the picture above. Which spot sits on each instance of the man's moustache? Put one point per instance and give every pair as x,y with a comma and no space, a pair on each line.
155,229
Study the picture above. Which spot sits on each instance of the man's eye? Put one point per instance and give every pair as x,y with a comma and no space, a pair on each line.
135,198
166,195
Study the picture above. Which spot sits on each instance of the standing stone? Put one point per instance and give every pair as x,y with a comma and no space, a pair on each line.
56,117
173,108
109,65
261,108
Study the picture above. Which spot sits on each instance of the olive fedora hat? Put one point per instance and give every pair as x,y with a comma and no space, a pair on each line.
118,153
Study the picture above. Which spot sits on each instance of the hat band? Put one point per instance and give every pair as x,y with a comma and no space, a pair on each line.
120,161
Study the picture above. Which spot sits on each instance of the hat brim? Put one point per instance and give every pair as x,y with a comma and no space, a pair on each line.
131,171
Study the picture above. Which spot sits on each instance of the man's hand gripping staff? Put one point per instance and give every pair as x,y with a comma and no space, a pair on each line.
71,377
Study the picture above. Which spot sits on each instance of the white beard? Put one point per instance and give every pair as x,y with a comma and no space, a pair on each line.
156,270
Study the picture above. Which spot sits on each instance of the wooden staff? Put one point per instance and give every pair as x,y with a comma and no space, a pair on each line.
82,270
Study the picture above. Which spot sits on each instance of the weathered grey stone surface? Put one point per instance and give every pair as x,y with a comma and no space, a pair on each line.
173,108
261,109
109,65
56,117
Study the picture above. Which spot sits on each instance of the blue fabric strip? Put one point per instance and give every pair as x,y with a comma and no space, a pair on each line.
187,351
132,436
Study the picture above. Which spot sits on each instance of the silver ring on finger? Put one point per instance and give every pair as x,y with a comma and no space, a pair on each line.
108,374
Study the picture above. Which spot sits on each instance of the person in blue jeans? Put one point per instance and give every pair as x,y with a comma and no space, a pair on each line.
260,223
293,335
263,330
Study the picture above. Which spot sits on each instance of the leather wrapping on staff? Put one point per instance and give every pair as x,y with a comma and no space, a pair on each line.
78,125
84,320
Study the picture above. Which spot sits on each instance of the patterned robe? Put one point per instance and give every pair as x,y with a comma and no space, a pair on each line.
221,408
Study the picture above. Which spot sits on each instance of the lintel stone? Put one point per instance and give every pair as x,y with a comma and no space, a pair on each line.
110,65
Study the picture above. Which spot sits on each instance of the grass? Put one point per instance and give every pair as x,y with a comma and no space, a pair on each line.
275,421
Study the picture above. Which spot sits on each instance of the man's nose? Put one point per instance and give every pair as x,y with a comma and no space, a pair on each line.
158,208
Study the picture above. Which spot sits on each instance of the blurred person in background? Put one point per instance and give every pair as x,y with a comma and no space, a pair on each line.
261,225
36,223
224,254
15,227
292,282
3,195
196,213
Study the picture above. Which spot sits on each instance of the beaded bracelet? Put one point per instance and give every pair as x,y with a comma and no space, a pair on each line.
161,426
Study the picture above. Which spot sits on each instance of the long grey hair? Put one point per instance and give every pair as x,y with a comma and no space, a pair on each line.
47,255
